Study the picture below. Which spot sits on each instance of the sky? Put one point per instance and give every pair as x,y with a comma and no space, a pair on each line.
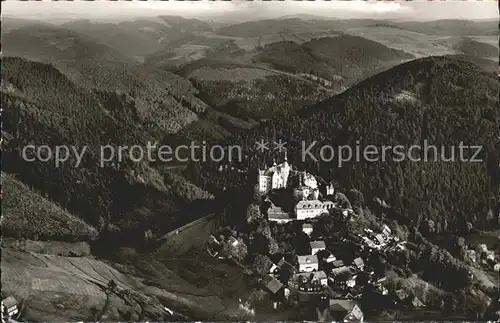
251,10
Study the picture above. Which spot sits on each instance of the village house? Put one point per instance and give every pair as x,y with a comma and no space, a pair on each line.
368,242
326,256
233,241
317,246
275,289
314,282
276,214
307,228
307,263
358,263
342,278
213,246
321,277
309,209
275,269
9,308
380,239
496,267
338,264
343,310
386,230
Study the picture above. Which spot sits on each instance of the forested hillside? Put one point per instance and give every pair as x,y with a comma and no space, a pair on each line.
246,91
471,47
344,59
439,99
43,107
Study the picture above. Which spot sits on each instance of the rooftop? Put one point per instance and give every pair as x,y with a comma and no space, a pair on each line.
317,244
272,284
342,305
310,259
359,262
338,263
9,302
312,204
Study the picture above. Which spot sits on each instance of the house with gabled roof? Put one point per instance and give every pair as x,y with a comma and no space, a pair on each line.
359,263
9,308
345,310
307,263
276,214
272,285
317,246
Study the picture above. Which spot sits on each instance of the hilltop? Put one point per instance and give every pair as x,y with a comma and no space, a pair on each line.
43,42
471,47
146,35
246,91
343,58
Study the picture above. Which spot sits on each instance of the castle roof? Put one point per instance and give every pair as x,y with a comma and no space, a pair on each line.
313,204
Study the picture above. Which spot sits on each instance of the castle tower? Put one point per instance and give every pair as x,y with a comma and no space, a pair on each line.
285,171
330,191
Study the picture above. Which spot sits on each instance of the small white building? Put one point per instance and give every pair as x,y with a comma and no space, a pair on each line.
308,263
331,258
317,246
9,308
359,263
496,267
386,230
321,277
309,209
307,228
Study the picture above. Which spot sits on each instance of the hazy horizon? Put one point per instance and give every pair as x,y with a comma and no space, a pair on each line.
234,11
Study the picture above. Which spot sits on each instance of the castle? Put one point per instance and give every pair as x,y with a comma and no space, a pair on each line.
275,177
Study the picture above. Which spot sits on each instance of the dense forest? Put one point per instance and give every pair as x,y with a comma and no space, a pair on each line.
345,57
43,107
441,100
